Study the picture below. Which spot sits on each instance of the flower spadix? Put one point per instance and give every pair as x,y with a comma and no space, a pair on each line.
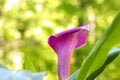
64,44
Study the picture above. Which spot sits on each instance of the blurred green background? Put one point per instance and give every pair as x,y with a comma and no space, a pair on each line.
25,26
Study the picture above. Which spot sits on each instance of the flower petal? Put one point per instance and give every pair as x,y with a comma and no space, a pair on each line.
64,44
62,37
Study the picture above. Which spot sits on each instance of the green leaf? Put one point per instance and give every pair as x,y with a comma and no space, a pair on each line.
73,76
2,66
6,74
112,55
98,54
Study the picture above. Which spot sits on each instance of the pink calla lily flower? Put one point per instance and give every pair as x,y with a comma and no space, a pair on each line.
64,44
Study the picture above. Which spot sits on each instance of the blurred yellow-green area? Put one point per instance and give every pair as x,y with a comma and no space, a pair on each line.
25,26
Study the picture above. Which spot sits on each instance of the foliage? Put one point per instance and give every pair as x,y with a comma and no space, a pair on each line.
6,74
99,52
111,56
